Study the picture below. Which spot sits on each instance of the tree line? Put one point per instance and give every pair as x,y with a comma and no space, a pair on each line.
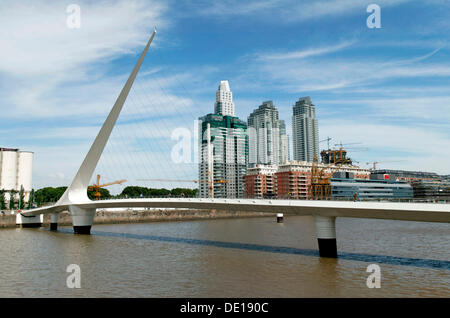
49,195
16,199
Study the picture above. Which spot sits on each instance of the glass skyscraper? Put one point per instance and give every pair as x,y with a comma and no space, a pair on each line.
223,150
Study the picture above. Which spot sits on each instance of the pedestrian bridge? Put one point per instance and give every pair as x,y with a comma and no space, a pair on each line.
425,212
82,210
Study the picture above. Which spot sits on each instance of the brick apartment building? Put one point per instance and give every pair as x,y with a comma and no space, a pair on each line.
291,180
260,182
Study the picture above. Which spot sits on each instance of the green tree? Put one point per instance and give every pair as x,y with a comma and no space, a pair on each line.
21,198
31,199
184,192
159,192
12,199
49,195
2,200
135,192
104,194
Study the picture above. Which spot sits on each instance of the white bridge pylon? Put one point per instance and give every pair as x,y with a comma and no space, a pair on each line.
82,209
76,193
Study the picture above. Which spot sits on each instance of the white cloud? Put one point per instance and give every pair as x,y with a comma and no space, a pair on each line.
311,74
36,41
301,54
49,69
425,109
289,10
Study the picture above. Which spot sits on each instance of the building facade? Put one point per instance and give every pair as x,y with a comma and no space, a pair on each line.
404,175
293,179
260,182
370,189
431,190
223,152
427,186
224,100
285,152
16,171
305,130
268,142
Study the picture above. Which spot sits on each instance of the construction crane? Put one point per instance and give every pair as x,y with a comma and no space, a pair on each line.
350,143
168,180
339,156
98,186
210,183
374,163
176,180
327,140
320,185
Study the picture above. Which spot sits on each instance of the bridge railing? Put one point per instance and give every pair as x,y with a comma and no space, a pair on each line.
413,200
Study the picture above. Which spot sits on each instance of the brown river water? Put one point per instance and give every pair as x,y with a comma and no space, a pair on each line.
251,257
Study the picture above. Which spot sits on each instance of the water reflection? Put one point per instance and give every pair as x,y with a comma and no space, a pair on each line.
381,259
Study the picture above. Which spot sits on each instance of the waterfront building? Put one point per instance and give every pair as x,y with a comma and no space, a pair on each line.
404,175
223,151
347,187
427,186
16,171
305,130
432,190
268,142
260,182
293,179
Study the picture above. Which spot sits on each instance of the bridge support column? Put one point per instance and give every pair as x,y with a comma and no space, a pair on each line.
82,219
279,217
53,221
29,221
326,235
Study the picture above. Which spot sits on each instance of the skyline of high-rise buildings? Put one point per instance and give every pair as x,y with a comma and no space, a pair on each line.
229,146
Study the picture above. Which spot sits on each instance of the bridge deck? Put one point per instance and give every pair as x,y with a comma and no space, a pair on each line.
426,212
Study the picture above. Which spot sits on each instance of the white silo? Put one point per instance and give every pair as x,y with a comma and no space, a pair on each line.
25,172
8,170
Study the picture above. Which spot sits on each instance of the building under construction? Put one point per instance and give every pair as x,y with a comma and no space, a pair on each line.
335,157
333,160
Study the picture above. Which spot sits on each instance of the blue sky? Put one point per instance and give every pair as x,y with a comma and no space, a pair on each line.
387,88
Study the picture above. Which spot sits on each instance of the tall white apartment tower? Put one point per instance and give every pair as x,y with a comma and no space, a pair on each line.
224,100
267,136
284,144
305,130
